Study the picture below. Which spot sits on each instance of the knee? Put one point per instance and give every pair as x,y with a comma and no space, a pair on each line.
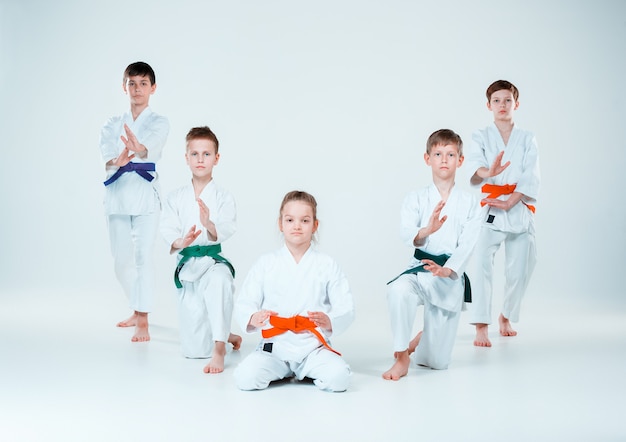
243,378
336,382
196,348
143,257
433,360
220,278
440,363
398,290
248,378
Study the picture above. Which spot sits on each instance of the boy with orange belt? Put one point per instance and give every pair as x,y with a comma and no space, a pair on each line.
503,162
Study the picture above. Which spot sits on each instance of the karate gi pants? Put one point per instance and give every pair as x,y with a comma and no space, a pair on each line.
132,240
404,296
520,257
205,309
328,370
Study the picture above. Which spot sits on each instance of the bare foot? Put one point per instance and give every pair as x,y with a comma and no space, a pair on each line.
505,327
235,340
130,322
141,328
400,367
415,342
482,336
216,364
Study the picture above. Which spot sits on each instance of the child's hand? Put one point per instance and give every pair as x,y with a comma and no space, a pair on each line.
321,320
187,240
205,219
124,158
497,167
205,214
506,204
435,223
258,319
132,143
436,269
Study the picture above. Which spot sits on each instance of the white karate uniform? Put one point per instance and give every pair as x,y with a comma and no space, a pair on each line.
515,228
442,298
276,282
132,205
205,302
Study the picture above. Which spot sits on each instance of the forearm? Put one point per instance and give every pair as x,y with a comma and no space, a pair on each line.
420,238
211,231
481,174
177,245
516,197
143,152
475,180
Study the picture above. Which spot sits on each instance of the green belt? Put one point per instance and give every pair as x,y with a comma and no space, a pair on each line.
197,252
441,260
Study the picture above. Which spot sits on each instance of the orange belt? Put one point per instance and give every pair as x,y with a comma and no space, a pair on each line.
495,190
296,324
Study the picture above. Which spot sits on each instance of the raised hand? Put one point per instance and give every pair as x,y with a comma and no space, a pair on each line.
123,159
131,142
187,240
497,167
205,214
435,222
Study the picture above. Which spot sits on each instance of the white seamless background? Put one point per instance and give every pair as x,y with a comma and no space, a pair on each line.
333,97
336,98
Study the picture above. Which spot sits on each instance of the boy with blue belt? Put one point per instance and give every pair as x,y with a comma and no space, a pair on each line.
130,145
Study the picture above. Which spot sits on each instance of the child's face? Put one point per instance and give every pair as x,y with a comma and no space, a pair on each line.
502,104
201,157
139,89
444,160
297,223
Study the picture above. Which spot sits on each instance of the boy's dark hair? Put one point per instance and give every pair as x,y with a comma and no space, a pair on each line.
502,85
139,68
443,137
203,133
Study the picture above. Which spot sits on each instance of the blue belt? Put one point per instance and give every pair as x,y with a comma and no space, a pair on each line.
141,168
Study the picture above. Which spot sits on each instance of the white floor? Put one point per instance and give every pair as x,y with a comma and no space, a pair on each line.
68,374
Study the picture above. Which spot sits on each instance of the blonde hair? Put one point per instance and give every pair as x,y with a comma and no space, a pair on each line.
443,137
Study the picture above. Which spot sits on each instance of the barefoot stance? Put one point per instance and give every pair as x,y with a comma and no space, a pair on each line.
141,328
130,322
400,368
482,336
216,365
505,327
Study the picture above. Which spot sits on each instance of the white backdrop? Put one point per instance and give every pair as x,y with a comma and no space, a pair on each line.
333,97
